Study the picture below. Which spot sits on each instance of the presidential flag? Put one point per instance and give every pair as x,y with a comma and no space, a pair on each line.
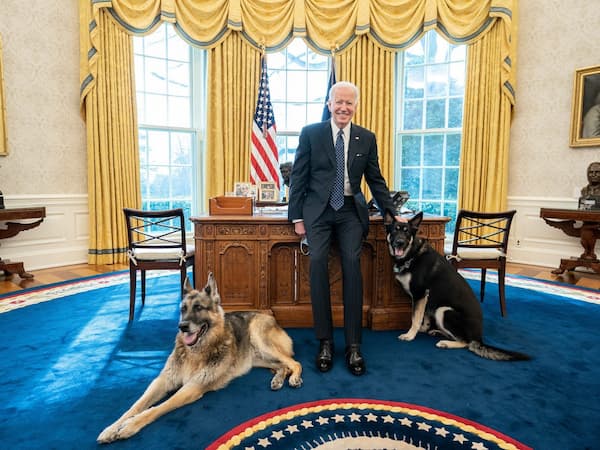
264,158
326,114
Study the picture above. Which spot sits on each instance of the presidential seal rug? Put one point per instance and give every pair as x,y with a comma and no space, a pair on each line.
353,424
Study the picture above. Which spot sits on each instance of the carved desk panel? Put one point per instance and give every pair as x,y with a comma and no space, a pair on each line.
258,265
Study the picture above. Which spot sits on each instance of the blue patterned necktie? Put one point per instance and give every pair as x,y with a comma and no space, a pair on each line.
337,193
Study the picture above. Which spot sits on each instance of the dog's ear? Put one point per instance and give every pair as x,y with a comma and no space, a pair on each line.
211,286
388,218
187,286
416,220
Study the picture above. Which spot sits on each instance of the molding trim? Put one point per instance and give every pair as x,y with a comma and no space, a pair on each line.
60,240
534,242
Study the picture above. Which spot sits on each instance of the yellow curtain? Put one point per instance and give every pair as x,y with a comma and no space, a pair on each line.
112,144
371,68
233,74
376,28
486,127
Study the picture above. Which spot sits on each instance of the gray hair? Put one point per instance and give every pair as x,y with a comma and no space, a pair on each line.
346,84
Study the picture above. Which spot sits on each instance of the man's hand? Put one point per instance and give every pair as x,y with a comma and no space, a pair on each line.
299,228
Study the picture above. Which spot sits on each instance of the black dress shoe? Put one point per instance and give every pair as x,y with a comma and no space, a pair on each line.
325,356
355,360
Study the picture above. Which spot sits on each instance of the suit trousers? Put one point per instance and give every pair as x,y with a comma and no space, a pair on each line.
345,227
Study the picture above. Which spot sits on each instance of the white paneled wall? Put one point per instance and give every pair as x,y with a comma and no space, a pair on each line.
62,238
532,241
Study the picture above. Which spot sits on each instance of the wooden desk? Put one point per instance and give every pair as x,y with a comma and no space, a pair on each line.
588,232
258,265
10,229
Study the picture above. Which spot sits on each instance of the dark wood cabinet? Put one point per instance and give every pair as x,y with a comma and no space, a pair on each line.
258,265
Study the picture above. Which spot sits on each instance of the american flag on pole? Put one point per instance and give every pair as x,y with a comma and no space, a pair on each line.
326,114
264,158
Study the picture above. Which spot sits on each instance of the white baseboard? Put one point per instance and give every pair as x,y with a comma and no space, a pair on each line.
534,242
62,238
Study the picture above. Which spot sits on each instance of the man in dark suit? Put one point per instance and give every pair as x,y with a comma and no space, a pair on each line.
320,211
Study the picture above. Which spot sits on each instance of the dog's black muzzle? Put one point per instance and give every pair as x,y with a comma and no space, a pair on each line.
184,326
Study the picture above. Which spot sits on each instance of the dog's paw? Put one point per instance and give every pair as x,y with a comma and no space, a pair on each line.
109,434
277,381
295,381
116,431
407,336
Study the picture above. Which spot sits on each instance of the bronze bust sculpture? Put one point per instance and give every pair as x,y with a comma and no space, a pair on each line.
590,194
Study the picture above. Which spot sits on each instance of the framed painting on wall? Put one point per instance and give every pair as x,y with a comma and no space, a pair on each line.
585,109
3,139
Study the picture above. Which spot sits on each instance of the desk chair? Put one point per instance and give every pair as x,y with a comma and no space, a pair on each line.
156,241
481,241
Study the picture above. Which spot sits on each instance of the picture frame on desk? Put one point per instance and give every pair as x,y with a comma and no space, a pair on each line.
244,189
268,192
585,108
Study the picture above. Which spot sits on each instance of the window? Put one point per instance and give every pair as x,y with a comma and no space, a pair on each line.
170,113
298,83
429,112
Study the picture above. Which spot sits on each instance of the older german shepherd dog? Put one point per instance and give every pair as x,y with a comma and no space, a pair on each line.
211,349
443,303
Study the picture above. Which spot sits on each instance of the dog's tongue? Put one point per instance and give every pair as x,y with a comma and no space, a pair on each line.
398,252
190,338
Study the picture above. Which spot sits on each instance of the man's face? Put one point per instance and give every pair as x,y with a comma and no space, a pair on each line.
594,173
342,106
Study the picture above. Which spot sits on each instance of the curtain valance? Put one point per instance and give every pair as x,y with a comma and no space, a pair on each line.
326,25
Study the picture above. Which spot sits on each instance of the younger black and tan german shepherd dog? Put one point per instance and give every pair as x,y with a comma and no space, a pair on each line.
211,349
443,303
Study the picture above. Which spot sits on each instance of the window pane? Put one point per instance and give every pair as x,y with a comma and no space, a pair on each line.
296,55
411,181
296,89
180,182
296,116
432,184
437,80
457,78
156,75
453,149
437,48
414,84
178,49
156,109
179,112
415,54
154,44
436,113
158,147
158,182
411,150
413,115
451,184
181,148
455,112
433,152
179,78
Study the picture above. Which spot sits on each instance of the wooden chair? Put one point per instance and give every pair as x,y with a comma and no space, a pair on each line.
156,241
481,241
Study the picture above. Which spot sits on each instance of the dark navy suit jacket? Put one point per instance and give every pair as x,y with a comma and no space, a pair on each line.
313,173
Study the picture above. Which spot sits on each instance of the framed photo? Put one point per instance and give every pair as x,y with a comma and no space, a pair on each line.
585,110
268,192
243,189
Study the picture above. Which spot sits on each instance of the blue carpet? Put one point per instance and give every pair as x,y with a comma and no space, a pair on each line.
73,365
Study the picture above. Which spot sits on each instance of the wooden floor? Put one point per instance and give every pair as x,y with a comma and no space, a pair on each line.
47,276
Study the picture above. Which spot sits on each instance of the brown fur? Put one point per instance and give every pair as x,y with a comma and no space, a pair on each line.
211,349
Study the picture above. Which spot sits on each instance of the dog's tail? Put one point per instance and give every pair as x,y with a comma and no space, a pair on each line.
497,354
